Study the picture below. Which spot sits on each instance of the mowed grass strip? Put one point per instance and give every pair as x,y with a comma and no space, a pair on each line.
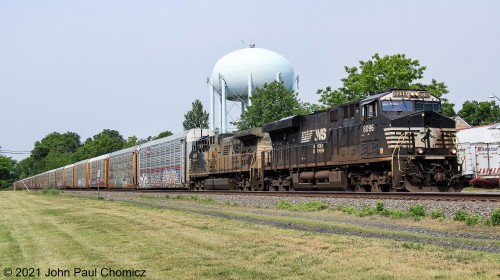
66,232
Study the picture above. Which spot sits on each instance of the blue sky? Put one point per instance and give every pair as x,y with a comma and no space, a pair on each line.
136,66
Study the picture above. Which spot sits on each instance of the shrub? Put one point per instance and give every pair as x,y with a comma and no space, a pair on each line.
417,211
367,211
437,214
50,191
486,183
306,206
386,212
348,209
381,210
379,206
313,206
495,218
398,214
473,219
284,205
460,215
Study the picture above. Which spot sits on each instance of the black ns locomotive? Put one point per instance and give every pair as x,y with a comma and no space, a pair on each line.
393,141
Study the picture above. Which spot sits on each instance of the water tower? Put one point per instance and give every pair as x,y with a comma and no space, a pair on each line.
236,75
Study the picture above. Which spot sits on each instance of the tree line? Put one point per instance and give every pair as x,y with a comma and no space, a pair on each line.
273,101
270,103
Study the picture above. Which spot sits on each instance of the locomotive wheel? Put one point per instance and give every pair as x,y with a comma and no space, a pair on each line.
411,188
444,188
359,188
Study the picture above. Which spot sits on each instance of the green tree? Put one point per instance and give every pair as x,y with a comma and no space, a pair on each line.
167,133
130,142
196,118
378,75
447,108
478,113
53,151
7,171
270,103
24,168
107,141
133,141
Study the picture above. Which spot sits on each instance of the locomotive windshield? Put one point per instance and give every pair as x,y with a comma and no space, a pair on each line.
428,106
408,105
397,105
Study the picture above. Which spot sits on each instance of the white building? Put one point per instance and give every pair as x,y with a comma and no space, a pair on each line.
479,150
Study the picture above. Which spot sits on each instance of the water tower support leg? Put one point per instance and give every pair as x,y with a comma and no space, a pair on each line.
223,107
212,105
250,86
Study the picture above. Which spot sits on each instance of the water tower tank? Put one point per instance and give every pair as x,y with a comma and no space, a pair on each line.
264,66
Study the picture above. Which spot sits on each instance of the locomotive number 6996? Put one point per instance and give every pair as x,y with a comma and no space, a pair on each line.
368,128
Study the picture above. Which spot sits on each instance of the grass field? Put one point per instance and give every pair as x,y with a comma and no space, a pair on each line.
68,233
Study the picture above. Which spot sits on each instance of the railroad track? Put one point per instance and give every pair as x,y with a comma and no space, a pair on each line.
477,196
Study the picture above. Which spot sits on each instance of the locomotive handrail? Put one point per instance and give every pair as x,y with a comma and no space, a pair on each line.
398,147
455,140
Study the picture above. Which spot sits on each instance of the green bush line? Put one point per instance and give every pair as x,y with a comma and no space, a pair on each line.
192,197
50,191
416,212
305,206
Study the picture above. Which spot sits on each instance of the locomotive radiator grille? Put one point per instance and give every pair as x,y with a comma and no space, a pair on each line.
439,137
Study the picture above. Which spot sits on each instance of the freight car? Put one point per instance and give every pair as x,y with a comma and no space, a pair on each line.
481,155
158,164
393,141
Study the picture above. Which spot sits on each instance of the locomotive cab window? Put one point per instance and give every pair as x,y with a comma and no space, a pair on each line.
345,109
334,115
369,110
397,105
352,111
428,106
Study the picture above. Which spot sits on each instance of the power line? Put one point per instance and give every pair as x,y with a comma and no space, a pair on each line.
14,152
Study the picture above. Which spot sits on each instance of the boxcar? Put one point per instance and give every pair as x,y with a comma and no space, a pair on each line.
122,171
81,174
97,171
59,178
69,181
163,163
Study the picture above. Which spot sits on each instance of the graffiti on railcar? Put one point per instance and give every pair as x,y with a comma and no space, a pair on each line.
122,180
169,178
81,182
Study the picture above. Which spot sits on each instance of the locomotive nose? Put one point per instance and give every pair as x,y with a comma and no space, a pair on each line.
423,119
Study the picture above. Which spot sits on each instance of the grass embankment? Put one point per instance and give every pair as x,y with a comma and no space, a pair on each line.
50,231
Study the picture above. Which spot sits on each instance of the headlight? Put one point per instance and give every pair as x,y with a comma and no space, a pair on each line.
420,151
453,151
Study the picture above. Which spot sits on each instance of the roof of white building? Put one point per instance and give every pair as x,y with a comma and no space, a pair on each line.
480,134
